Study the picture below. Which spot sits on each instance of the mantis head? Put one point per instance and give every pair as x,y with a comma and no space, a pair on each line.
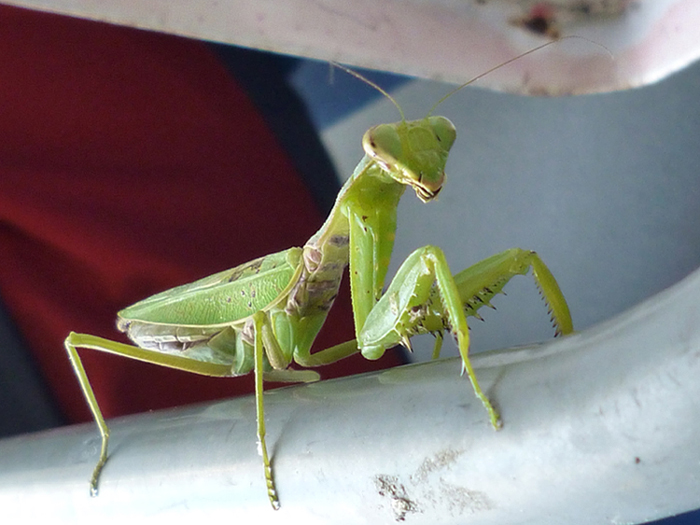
413,153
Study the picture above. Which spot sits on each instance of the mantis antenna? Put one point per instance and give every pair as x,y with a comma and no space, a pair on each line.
471,81
514,59
370,83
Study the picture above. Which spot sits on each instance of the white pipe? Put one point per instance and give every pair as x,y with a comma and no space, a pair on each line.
601,427
440,39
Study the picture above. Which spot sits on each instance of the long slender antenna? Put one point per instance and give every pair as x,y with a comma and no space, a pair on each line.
370,83
511,60
478,77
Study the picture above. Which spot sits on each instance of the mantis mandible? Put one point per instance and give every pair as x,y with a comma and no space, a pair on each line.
263,315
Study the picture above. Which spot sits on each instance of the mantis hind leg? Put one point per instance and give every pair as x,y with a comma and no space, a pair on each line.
74,341
94,408
258,320
91,342
422,279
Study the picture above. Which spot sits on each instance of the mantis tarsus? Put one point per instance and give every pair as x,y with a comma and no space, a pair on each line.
263,315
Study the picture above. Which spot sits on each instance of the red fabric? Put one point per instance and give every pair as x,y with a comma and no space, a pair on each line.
131,162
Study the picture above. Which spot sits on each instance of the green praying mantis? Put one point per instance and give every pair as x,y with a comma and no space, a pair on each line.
263,315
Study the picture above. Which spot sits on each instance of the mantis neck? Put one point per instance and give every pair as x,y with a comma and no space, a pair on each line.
326,253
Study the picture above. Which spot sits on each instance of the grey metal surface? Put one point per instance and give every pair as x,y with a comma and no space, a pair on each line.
601,427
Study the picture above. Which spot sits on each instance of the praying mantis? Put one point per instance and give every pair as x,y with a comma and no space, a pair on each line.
264,315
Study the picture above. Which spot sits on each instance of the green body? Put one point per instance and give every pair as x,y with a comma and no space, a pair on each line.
265,314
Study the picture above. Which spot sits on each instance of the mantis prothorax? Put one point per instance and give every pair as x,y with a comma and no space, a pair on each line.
263,315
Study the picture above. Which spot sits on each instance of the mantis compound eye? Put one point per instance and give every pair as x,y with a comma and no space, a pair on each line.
444,130
383,144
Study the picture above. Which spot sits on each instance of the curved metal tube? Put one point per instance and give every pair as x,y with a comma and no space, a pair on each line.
439,39
600,427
